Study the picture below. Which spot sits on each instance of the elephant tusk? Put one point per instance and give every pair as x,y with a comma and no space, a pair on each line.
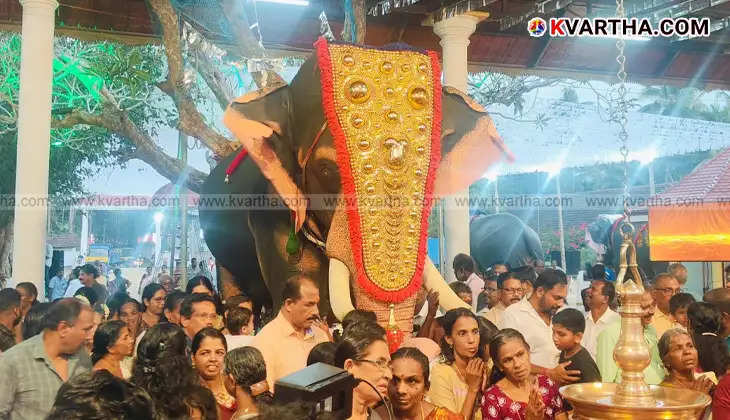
339,288
434,281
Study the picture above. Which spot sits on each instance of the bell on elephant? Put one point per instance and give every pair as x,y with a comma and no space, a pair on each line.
357,148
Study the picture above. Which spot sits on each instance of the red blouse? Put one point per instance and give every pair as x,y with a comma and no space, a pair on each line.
496,405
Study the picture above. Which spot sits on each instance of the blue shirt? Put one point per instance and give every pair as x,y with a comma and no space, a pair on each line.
58,287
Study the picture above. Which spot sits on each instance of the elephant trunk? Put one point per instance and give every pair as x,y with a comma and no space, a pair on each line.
339,288
434,281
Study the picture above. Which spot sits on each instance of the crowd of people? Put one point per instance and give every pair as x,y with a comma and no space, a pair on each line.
190,354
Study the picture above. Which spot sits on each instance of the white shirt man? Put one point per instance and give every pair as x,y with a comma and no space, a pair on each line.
600,315
547,297
510,293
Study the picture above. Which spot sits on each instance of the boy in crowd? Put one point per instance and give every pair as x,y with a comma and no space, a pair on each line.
568,327
239,323
462,291
678,305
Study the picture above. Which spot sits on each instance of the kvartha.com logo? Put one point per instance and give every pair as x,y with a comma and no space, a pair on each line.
615,27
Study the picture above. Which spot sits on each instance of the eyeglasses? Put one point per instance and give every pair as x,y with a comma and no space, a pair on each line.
211,317
668,291
512,291
381,364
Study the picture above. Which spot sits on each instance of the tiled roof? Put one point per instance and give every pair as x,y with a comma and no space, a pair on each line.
710,182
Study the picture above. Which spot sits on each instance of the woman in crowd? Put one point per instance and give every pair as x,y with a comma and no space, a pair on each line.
163,368
171,309
679,356
200,284
130,314
487,331
407,389
704,325
112,344
457,379
100,395
200,402
153,301
33,322
208,350
245,377
515,393
28,296
363,352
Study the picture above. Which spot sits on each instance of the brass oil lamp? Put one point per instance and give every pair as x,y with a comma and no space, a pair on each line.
632,398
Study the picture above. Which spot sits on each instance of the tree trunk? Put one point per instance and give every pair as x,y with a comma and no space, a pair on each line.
6,247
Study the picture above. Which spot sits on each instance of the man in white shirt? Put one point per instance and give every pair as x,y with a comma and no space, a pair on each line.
464,271
600,315
510,292
533,318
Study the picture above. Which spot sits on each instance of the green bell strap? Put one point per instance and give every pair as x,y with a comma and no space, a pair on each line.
292,244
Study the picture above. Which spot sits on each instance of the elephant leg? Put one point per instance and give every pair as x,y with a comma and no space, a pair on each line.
271,232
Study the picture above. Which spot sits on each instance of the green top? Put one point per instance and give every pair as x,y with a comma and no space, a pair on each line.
610,372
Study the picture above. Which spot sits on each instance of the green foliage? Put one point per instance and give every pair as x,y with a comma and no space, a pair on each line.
80,72
686,103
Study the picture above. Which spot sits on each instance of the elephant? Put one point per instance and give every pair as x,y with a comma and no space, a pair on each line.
504,238
290,134
604,237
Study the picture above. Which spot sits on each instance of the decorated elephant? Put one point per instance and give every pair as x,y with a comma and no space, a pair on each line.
604,237
504,238
354,150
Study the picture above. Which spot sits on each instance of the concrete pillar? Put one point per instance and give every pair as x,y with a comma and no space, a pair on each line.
454,33
85,233
34,132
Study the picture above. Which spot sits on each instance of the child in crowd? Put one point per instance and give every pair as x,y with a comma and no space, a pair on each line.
239,323
678,305
568,327
462,291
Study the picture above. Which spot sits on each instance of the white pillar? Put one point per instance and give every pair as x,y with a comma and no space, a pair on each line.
34,132
454,33
158,239
85,233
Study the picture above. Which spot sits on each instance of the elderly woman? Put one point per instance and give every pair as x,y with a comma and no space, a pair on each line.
679,356
245,379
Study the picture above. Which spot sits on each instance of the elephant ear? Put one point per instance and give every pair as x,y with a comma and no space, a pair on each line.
261,121
470,143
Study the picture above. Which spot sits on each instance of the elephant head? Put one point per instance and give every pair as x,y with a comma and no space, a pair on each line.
290,133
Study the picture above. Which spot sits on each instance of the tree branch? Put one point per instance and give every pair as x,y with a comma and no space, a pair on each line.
213,78
118,122
190,121
247,45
